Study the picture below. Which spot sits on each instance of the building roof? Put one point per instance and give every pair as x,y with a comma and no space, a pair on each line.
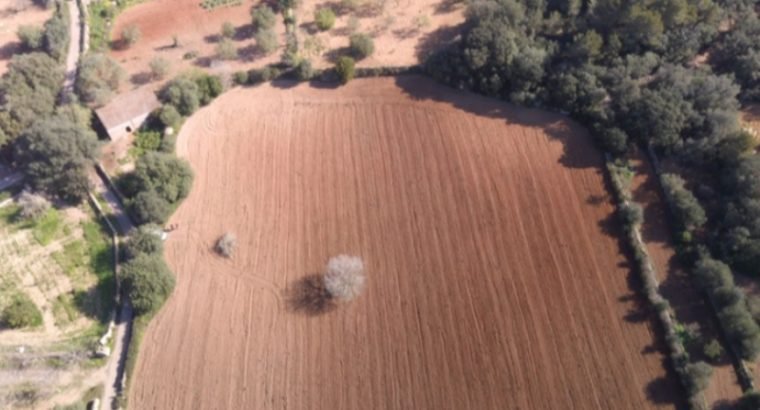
127,106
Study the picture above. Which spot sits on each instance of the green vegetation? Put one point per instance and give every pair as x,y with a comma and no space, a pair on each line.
87,397
304,71
159,68
98,78
55,39
226,49
687,212
188,92
101,15
145,240
228,30
361,45
21,312
47,227
344,68
145,141
56,155
267,41
324,18
148,282
263,18
30,37
29,89
212,4
156,186
716,279
130,35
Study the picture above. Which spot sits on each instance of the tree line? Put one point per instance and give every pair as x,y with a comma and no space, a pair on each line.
666,74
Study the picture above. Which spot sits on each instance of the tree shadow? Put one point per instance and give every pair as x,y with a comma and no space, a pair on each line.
334,54
578,148
435,40
141,78
308,296
447,6
250,53
662,391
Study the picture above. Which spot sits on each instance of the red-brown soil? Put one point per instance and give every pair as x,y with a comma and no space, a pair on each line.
675,284
403,30
495,275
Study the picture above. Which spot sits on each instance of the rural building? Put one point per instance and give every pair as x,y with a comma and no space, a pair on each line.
127,112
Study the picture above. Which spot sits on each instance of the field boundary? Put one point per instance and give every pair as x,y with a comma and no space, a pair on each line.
678,357
742,372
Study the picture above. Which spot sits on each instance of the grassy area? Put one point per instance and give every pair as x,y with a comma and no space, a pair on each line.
64,309
9,214
212,4
47,227
102,14
88,396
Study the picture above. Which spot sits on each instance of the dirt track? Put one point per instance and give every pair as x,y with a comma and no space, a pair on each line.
495,279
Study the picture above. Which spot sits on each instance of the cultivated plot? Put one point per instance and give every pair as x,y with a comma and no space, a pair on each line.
494,275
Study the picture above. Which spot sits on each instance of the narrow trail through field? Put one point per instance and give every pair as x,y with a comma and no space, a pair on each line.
496,279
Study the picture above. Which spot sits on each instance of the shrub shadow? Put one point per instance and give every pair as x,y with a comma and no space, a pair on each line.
141,78
308,296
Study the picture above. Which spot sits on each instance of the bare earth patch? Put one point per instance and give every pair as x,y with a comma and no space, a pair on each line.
402,31
494,277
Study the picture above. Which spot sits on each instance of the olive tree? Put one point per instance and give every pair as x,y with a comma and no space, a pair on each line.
226,244
344,277
98,77
148,282
56,155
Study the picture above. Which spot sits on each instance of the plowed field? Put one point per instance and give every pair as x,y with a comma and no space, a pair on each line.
495,279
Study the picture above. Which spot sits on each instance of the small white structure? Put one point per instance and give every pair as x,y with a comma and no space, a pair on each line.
127,111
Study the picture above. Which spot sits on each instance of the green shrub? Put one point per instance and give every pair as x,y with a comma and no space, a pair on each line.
56,154
228,30
631,214
56,35
713,350
361,45
240,77
147,141
226,50
30,37
169,116
159,68
149,207
99,76
324,18
131,35
168,176
263,18
344,68
144,240
699,374
148,282
21,312
182,93
266,41
304,71
687,211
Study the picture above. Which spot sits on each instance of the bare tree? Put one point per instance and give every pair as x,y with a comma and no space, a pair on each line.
32,205
226,244
344,277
